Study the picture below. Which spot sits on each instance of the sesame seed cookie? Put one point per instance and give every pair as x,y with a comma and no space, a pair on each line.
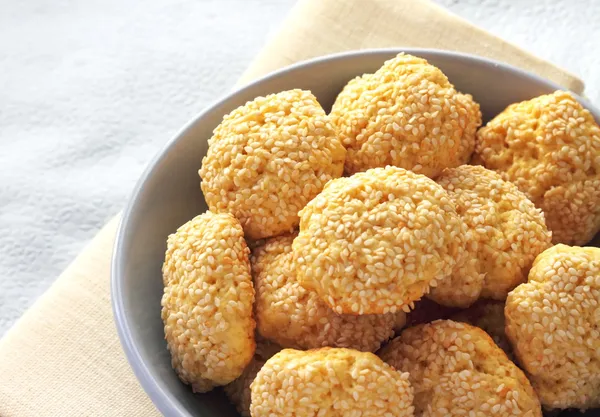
295,317
457,370
505,234
268,158
406,114
549,147
553,323
374,243
330,382
207,301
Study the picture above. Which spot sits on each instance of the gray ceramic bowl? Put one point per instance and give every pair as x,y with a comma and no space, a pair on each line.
168,195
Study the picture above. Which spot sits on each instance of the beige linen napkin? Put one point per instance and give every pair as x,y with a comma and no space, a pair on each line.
63,357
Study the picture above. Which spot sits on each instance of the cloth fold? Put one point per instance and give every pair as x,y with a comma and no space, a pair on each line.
323,27
63,357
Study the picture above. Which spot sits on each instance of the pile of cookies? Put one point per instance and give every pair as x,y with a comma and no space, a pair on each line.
396,214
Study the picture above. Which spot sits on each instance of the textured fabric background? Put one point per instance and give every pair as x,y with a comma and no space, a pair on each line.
90,91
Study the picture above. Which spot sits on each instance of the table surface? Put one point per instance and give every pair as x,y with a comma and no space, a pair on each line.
91,90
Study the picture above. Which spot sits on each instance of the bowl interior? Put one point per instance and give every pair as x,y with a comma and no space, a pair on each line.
168,195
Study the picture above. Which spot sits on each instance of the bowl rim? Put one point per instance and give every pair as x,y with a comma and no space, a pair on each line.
163,402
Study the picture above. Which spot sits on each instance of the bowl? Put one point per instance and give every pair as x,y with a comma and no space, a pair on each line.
168,194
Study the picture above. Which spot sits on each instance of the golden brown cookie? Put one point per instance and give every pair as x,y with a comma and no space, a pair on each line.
207,301
295,317
553,323
375,242
457,370
550,148
330,382
406,114
506,233
268,158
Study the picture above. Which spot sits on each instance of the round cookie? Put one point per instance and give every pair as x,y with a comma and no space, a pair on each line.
330,382
207,301
506,233
268,158
406,114
549,147
295,317
553,323
457,370
375,242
